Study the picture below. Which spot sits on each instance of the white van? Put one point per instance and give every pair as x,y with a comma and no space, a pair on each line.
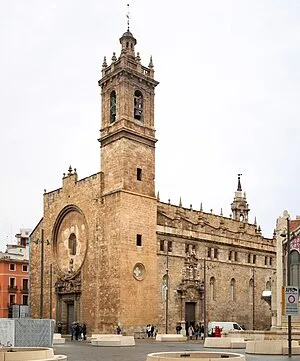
224,326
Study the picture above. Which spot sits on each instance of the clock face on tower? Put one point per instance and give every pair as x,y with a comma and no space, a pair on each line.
70,241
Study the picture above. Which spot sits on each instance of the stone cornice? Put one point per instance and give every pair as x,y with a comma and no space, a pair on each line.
129,134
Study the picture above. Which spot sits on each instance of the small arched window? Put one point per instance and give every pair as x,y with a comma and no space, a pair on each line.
295,268
232,289
164,286
138,105
72,244
113,106
212,290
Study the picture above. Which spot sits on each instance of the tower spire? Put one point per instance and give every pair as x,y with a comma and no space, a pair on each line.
239,206
239,187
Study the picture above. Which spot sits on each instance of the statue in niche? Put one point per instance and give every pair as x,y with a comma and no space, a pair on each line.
71,268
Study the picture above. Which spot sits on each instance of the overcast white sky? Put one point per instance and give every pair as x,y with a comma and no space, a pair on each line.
227,103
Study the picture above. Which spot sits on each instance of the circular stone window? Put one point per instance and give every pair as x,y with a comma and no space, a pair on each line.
139,271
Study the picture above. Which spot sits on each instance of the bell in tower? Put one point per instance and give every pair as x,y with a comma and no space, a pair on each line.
138,105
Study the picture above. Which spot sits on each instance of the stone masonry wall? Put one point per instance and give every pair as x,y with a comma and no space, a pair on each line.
229,271
85,194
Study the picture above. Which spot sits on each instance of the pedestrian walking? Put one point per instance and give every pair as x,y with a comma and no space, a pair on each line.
77,331
152,330
178,329
72,330
148,330
202,331
190,332
59,327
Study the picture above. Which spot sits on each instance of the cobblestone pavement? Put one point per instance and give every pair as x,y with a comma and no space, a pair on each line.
83,351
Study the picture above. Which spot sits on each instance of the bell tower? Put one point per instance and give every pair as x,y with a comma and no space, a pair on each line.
128,265
127,130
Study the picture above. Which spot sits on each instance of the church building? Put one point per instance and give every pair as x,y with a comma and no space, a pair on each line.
108,252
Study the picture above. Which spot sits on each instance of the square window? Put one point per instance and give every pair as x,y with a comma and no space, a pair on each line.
12,299
25,284
24,268
139,174
12,267
187,248
139,240
25,300
208,252
162,245
194,249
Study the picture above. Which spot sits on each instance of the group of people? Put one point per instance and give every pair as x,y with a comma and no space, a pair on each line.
78,331
151,330
195,331
192,330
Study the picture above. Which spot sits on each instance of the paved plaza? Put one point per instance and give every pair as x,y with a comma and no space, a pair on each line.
83,351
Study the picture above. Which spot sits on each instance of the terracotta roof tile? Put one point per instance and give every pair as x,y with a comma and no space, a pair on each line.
294,224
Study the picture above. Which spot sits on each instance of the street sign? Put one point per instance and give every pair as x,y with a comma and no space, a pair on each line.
291,300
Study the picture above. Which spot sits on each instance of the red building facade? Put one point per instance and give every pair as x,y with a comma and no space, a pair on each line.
14,277
14,285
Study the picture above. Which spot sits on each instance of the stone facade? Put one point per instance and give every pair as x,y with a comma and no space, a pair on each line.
284,226
113,253
234,255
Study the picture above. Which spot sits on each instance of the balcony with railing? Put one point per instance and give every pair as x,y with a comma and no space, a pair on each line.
24,289
12,288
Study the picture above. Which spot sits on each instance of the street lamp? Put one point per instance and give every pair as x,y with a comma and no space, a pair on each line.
204,298
42,242
50,294
253,298
167,289
205,268
288,280
288,273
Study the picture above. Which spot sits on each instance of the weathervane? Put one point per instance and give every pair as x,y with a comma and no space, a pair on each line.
128,18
